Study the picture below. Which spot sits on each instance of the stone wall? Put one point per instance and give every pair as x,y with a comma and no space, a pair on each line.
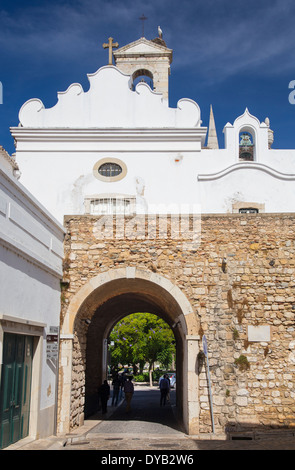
240,283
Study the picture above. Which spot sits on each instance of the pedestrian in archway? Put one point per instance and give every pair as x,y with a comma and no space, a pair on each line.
121,380
116,388
169,389
164,389
128,390
104,394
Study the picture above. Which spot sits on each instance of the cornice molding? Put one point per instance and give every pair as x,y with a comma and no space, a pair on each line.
9,158
247,165
134,48
194,137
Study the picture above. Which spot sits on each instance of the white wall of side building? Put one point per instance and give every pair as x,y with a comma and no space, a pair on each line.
31,252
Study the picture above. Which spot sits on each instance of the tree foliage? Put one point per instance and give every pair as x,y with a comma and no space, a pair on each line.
142,338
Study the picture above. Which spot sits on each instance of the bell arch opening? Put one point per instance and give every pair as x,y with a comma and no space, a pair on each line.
142,75
247,147
92,313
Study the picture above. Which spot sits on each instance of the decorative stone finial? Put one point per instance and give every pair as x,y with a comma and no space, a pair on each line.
270,133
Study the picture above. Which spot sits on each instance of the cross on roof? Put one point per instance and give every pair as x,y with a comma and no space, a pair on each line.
143,18
110,45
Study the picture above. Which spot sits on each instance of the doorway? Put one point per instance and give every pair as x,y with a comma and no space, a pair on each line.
120,306
15,392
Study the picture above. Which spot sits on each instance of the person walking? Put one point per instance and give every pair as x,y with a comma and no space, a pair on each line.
121,382
104,394
128,390
164,389
122,378
116,388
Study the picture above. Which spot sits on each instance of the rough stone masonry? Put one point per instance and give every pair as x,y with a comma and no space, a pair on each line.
240,282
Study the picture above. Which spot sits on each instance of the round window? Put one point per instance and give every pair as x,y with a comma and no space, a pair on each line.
109,169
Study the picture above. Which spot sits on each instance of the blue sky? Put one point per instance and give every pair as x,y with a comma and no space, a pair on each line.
231,54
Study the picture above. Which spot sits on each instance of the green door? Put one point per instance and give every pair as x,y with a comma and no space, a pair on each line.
15,388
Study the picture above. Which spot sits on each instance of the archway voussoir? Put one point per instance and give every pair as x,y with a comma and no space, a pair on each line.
117,273
143,273
161,281
130,272
182,300
99,280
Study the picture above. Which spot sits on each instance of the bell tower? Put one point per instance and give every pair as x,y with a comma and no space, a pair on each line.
147,60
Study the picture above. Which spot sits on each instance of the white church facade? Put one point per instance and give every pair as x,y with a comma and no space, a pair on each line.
120,150
161,155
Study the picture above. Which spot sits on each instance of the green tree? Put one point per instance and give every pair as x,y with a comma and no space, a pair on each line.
141,338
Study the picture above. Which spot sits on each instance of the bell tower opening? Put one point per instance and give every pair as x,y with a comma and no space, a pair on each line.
142,75
147,60
246,146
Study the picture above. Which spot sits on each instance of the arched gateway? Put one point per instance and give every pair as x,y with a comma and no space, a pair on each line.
91,315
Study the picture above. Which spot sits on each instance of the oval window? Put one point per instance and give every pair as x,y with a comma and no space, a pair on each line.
109,169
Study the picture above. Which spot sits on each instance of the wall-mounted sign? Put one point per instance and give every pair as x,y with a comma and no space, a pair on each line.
52,343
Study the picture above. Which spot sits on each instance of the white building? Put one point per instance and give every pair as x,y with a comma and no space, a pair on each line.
120,147
31,252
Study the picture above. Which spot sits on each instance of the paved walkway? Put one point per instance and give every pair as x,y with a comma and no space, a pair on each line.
151,428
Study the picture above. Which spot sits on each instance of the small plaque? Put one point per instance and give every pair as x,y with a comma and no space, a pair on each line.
259,333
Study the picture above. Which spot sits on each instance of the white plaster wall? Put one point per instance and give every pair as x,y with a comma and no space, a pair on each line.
29,227
29,293
155,178
31,252
64,179
249,186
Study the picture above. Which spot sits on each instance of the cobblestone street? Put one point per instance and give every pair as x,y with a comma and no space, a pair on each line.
151,429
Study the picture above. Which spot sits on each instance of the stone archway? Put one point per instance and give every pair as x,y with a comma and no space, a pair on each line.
95,308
